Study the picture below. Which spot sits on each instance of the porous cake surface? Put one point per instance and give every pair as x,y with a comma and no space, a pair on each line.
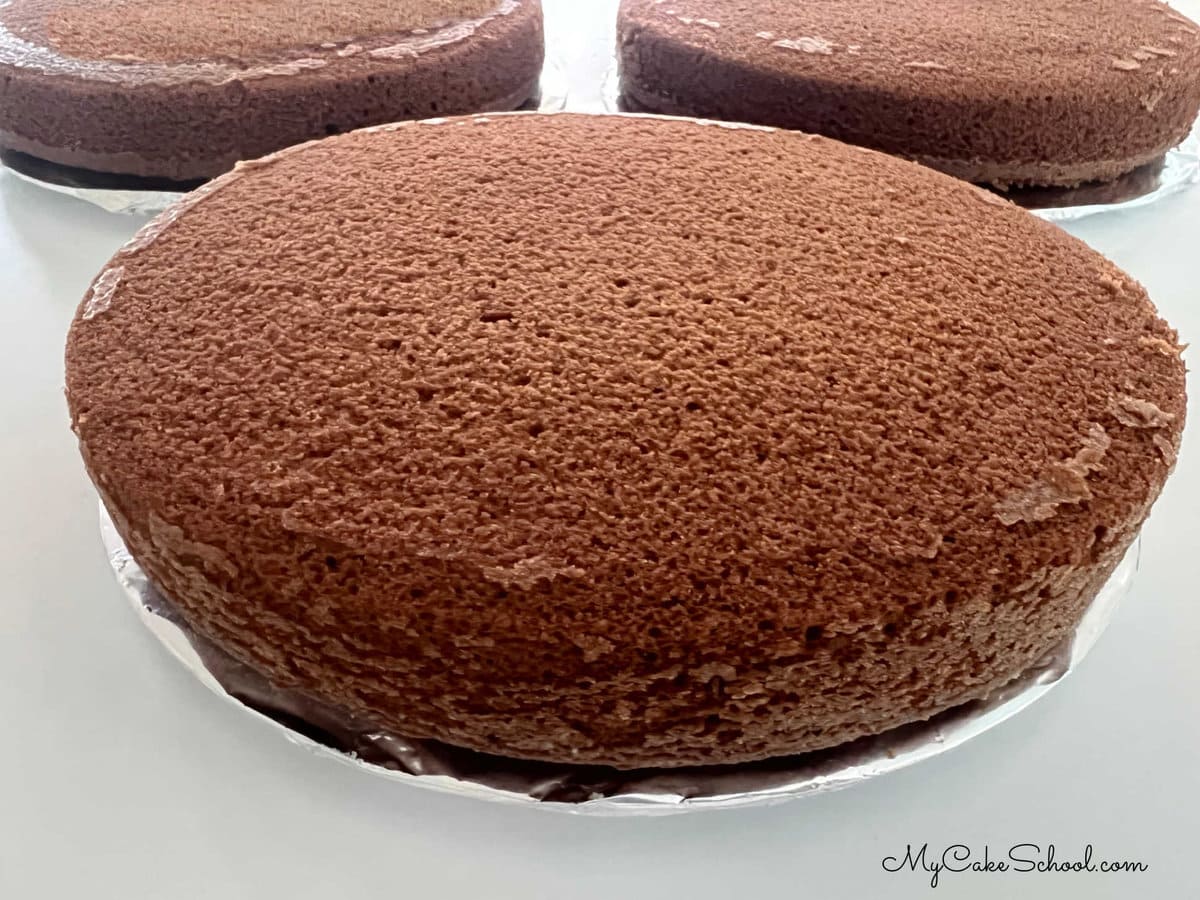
181,91
176,30
619,439
1021,92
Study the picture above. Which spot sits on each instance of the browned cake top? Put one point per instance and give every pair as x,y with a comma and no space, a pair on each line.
971,48
175,30
633,357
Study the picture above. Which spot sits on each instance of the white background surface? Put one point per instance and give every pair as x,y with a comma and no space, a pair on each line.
121,777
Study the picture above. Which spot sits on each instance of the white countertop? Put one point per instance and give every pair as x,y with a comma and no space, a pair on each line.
122,777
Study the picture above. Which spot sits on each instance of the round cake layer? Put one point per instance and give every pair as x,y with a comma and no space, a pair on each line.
183,91
1031,92
621,439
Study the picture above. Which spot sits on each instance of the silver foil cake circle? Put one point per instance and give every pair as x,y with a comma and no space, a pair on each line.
600,790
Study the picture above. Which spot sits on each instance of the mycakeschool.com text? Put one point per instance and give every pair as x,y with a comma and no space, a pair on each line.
1026,859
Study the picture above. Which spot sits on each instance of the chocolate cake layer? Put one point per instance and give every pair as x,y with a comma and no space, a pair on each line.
1032,92
183,91
622,440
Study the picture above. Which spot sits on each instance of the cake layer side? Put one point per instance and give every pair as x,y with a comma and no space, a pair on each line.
1015,102
199,125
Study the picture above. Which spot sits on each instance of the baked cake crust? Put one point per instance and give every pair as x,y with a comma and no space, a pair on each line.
1033,92
79,92
623,440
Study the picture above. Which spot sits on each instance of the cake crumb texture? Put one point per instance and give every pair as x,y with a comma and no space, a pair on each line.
176,30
